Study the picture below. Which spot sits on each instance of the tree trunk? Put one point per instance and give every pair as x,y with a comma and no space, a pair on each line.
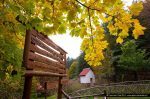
135,76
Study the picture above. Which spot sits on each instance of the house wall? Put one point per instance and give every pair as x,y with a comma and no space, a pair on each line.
86,78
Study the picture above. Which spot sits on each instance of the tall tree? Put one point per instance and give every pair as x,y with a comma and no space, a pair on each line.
69,62
82,18
133,58
144,19
10,57
82,63
73,70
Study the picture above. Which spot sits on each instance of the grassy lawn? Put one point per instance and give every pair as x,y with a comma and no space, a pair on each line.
129,98
54,97
124,98
118,98
50,97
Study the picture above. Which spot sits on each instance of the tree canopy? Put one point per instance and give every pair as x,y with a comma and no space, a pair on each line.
73,70
83,18
133,58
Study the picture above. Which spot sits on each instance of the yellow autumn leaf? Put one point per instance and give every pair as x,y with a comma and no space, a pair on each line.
138,29
124,33
136,8
103,18
119,40
9,68
7,76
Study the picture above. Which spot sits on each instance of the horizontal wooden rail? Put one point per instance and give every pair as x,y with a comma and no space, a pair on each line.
84,96
44,46
121,90
42,66
45,60
65,94
41,73
45,53
47,41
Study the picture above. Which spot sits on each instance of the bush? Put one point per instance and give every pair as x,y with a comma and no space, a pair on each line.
73,85
11,88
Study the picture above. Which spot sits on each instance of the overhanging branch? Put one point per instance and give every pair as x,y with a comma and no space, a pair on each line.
90,20
88,7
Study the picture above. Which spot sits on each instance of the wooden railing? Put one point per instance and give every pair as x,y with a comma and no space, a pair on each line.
122,89
42,57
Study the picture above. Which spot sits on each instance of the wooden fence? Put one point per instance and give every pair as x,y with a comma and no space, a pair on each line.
122,89
42,57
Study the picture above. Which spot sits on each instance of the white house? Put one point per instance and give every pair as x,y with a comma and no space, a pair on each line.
87,76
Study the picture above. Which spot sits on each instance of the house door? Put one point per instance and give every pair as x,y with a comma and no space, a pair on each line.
91,81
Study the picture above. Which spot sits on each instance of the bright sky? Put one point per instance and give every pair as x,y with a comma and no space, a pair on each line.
72,44
127,2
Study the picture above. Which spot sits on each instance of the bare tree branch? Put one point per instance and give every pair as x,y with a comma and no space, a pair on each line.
88,7
90,20
90,26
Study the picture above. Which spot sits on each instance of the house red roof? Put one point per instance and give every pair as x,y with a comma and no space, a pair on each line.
84,71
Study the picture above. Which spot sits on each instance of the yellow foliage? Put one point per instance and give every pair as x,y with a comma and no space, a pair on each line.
7,76
94,47
119,22
48,16
136,8
138,29
119,40
9,68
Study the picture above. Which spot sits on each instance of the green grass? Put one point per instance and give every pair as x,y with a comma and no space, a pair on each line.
50,97
125,98
129,98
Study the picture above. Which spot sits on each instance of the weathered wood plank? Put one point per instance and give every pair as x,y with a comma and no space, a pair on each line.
42,67
45,53
44,46
48,41
65,62
41,73
39,58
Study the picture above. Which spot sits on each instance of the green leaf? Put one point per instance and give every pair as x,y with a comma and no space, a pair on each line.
22,19
15,8
46,12
39,28
72,33
29,6
75,32
62,29
21,27
28,26
71,15
48,30
35,21
83,32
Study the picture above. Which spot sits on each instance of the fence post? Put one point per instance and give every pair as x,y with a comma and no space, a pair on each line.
28,79
59,94
45,89
27,87
105,94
